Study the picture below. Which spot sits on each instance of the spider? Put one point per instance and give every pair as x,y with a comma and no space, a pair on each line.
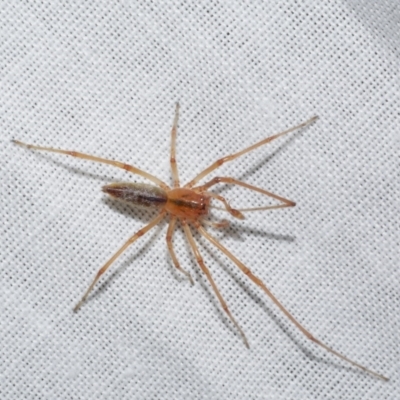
190,205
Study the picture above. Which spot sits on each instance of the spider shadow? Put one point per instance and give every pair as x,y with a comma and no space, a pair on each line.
239,232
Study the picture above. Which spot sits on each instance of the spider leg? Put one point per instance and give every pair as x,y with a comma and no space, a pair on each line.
174,166
232,181
207,273
170,232
231,157
220,224
232,211
104,268
261,284
117,164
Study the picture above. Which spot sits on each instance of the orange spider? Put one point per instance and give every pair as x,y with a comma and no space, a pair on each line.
190,204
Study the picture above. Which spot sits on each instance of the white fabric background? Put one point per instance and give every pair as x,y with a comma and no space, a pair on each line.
103,78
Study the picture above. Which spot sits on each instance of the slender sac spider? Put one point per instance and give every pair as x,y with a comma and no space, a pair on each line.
190,205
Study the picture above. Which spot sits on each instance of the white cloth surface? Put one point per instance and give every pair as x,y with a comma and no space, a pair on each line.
103,78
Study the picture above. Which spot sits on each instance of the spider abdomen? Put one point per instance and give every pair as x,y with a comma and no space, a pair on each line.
139,194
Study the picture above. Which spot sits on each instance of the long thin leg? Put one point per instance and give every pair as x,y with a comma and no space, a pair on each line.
231,157
207,273
261,284
104,268
233,181
174,166
117,164
170,232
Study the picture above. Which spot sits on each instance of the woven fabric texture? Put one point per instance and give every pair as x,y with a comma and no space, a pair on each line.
103,78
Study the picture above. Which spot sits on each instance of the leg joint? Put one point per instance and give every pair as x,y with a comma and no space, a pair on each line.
138,235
